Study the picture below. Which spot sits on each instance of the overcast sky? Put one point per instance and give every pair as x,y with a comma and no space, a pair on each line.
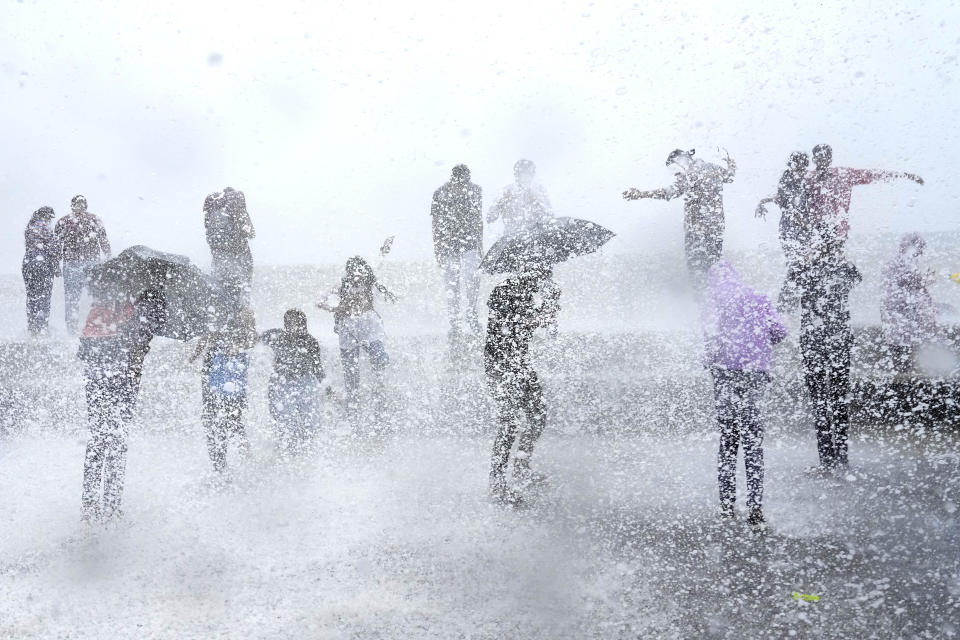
339,120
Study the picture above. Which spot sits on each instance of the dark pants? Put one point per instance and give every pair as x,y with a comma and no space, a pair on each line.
295,406
222,418
738,396
350,361
703,246
74,280
516,394
39,286
826,367
110,404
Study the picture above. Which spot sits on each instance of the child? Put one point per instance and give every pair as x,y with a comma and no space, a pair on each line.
359,326
740,328
224,387
294,390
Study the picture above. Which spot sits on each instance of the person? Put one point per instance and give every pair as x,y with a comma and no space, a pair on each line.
359,326
229,231
701,185
114,343
82,241
224,384
457,243
829,189
517,307
294,388
907,313
523,204
825,282
795,227
40,266
740,329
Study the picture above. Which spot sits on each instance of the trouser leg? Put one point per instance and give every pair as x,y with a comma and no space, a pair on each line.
379,359
451,284
504,395
751,434
470,276
74,273
725,398
532,404
815,365
216,432
840,398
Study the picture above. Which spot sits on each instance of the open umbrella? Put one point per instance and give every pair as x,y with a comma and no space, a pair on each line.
193,304
546,244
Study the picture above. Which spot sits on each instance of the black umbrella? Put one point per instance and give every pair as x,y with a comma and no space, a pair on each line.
193,304
546,244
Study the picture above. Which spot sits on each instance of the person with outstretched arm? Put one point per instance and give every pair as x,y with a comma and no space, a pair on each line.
829,189
701,185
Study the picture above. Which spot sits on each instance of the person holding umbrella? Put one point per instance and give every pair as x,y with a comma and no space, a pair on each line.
114,343
701,185
40,265
517,307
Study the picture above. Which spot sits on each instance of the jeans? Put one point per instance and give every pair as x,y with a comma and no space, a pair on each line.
516,394
39,286
461,277
110,403
738,396
826,367
295,406
74,280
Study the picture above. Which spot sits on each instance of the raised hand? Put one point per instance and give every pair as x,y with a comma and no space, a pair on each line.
632,194
914,177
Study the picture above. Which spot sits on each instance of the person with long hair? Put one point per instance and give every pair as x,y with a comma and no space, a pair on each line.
40,266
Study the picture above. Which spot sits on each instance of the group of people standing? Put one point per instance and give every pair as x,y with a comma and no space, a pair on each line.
740,325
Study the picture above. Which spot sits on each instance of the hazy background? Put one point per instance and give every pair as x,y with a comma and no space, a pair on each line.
338,120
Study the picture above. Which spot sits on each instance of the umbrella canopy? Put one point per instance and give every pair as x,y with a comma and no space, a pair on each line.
546,244
193,303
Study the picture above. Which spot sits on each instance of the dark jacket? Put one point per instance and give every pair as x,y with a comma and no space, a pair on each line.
457,214
826,282
294,354
795,225
227,224
81,236
40,256
515,313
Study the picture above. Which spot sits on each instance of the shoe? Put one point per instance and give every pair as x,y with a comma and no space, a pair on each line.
727,512
756,519
818,471
525,477
503,495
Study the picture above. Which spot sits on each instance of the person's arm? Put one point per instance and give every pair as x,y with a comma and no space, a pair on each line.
316,363
438,222
667,193
777,330
387,294
102,239
856,177
730,171
200,349
58,242
497,209
247,226
269,337
476,214
761,210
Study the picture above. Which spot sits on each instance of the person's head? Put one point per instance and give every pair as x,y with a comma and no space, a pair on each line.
912,244
358,269
798,162
295,321
43,214
78,204
460,173
681,159
524,171
822,156
212,202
